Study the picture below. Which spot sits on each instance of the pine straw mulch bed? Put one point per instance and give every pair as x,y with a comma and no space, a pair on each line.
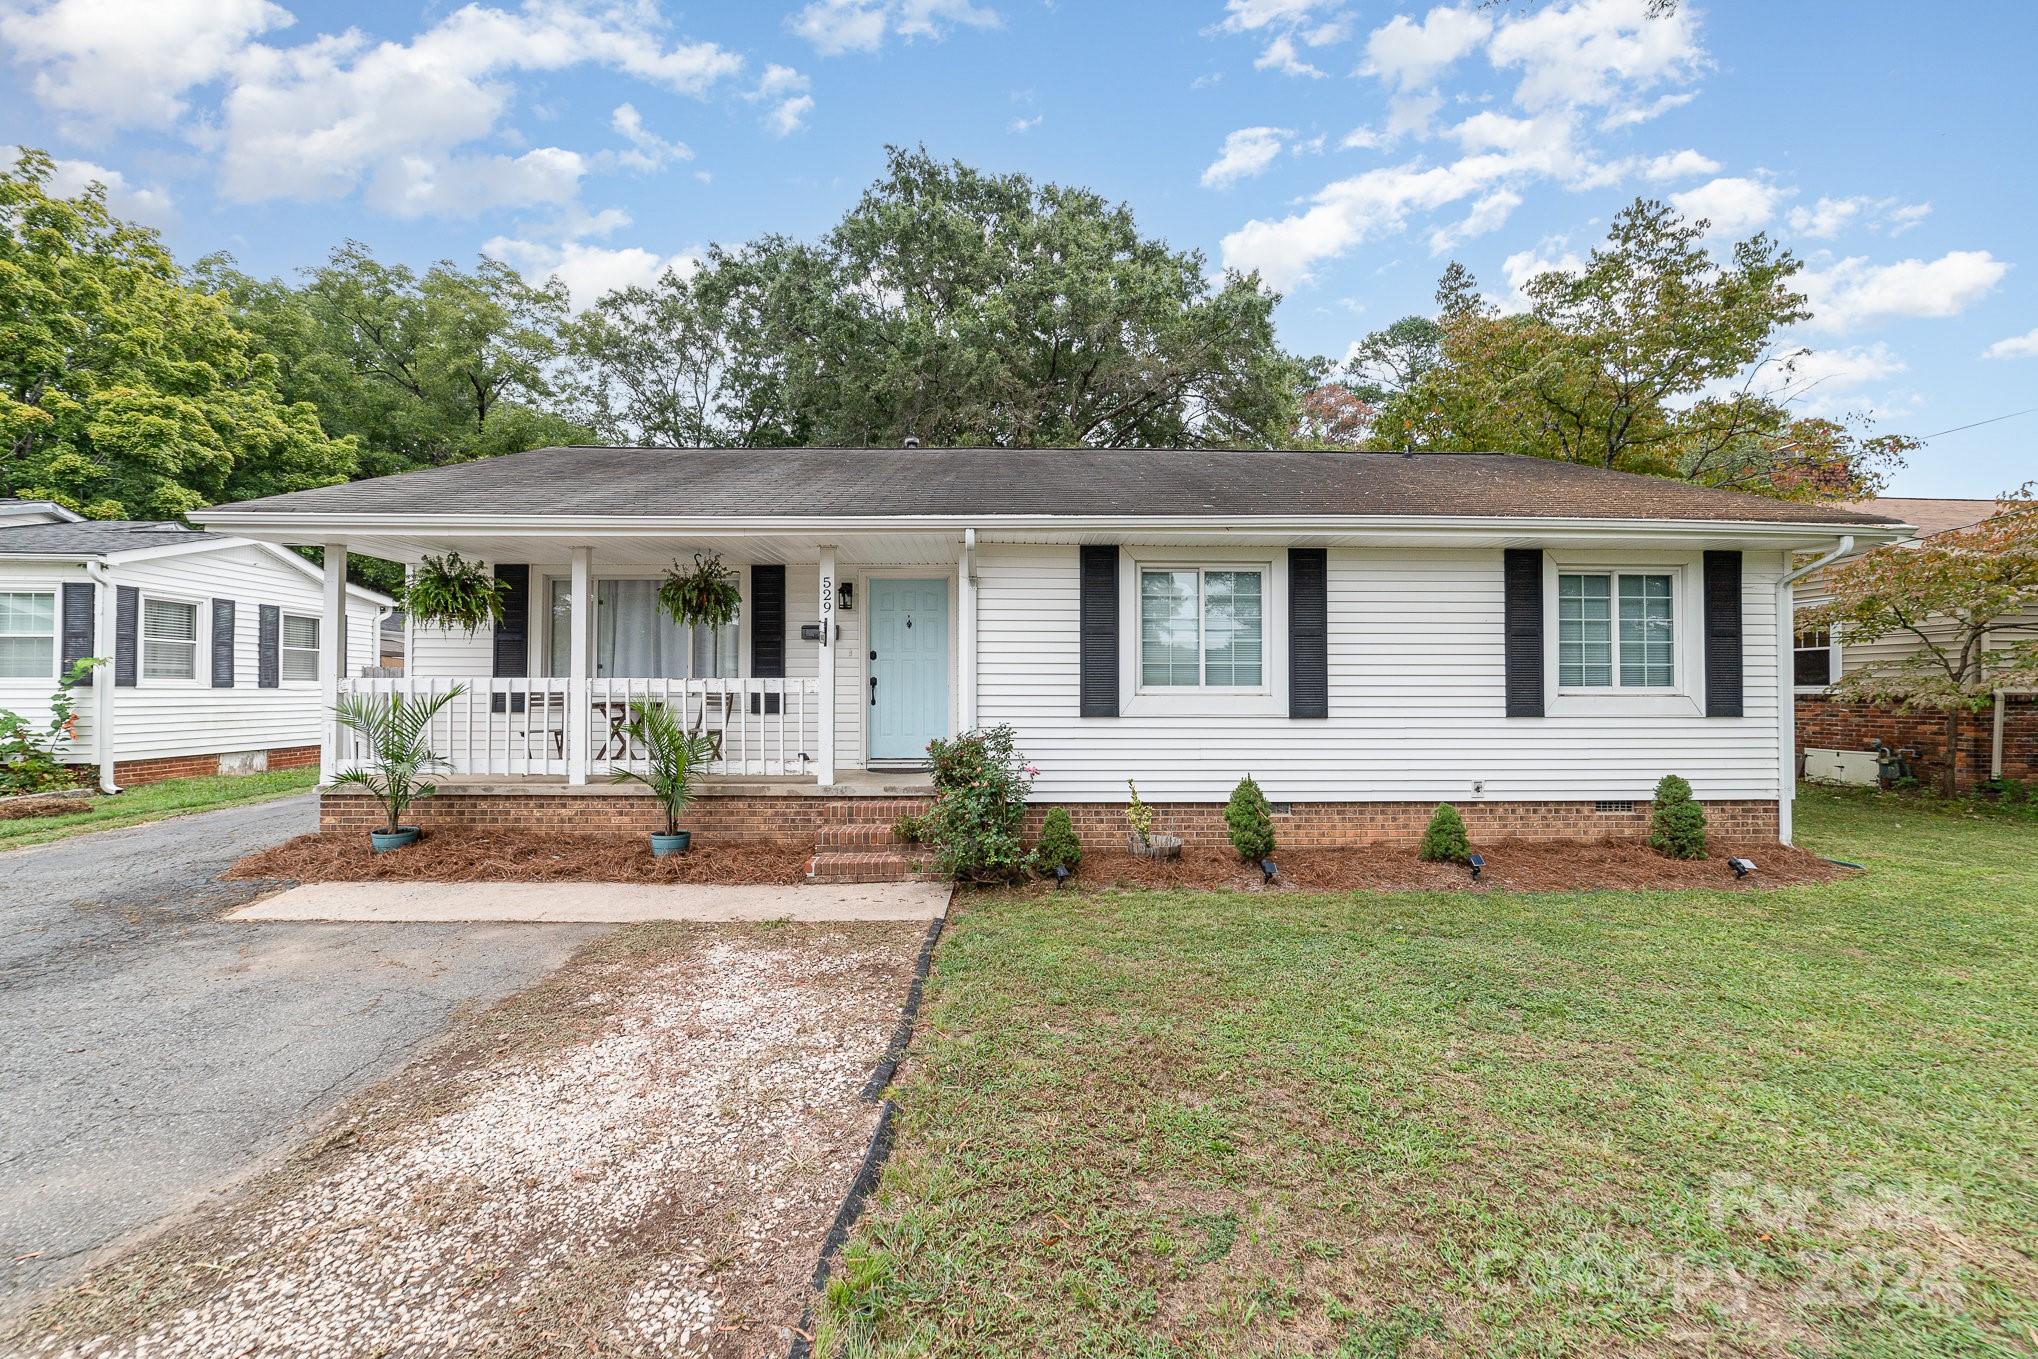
523,856
31,805
1511,865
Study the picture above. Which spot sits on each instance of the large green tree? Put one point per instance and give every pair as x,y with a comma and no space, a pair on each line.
953,306
1653,357
125,391
422,369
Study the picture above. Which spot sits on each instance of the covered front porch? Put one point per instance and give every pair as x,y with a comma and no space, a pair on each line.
843,657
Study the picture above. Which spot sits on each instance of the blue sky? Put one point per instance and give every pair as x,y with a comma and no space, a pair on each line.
1346,150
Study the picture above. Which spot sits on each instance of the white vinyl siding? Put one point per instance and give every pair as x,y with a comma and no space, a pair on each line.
299,649
169,637
28,634
1417,699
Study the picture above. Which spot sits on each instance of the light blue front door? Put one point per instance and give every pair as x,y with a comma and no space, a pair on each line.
908,667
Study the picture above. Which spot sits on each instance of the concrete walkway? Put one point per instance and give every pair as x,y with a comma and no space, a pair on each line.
594,903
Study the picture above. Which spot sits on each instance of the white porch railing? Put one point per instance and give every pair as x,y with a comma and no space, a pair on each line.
524,726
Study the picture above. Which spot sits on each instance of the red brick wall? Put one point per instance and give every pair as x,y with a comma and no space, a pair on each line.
128,773
606,812
1323,825
1823,724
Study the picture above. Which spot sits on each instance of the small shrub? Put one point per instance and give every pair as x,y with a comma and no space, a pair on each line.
910,829
1445,841
1250,821
979,811
30,757
1138,815
1058,847
1676,823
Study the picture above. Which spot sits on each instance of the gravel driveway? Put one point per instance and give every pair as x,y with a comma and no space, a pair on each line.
152,1052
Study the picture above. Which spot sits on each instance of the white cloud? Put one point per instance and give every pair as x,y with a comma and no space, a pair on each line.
588,271
1685,164
1023,125
1731,205
1282,56
647,150
1360,139
2023,346
838,26
1828,217
1488,214
1409,115
1829,381
1524,266
1597,53
148,205
1408,54
130,63
1246,153
1852,290
785,89
1243,16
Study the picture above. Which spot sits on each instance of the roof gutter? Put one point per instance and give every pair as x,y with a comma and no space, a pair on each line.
1786,688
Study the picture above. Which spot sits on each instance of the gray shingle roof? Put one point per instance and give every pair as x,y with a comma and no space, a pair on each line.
952,482
97,537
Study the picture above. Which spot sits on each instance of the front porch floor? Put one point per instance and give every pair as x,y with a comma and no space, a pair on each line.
848,783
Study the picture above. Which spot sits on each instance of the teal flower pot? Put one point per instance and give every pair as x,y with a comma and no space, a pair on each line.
676,843
384,841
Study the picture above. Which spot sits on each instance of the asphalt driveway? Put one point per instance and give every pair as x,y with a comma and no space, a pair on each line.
149,1051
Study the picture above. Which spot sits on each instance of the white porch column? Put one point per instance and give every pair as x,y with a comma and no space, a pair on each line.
824,761
966,640
580,598
332,655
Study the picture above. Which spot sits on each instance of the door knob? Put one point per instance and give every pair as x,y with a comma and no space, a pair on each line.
873,691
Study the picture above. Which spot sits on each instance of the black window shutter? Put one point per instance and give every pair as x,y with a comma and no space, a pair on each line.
269,646
513,634
222,644
1308,632
1522,577
1098,629
767,622
1723,687
127,612
81,602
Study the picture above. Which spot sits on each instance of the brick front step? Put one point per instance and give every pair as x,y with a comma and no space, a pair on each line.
873,810
857,835
868,865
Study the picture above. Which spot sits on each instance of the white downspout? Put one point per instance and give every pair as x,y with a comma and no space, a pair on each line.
1786,682
966,650
105,626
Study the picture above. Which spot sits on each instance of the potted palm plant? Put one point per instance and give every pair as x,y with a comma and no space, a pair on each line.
672,754
397,730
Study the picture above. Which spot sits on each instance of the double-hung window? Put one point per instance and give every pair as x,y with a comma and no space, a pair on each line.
1616,630
1202,627
635,637
1813,659
169,639
28,634
300,647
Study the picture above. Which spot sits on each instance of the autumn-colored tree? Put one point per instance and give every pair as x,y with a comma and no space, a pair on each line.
1653,357
1956,598
1333,416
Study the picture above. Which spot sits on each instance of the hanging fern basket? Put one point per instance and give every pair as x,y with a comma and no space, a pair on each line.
452,592
708,593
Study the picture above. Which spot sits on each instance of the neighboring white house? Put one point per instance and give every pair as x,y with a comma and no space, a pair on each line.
211,644
1367,635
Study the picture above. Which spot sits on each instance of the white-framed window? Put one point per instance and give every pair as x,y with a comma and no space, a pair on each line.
28,634
1617,630
1815,661
300,647
635,638
1202,627
169,639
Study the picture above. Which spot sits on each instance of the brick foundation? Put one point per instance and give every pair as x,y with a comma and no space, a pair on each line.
1823,724
130,773
750,817
1326,825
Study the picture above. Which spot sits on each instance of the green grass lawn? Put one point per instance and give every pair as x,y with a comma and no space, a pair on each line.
154,801
1799,1122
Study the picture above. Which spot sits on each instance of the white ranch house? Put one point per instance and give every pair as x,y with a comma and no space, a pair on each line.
1367,635
212,645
